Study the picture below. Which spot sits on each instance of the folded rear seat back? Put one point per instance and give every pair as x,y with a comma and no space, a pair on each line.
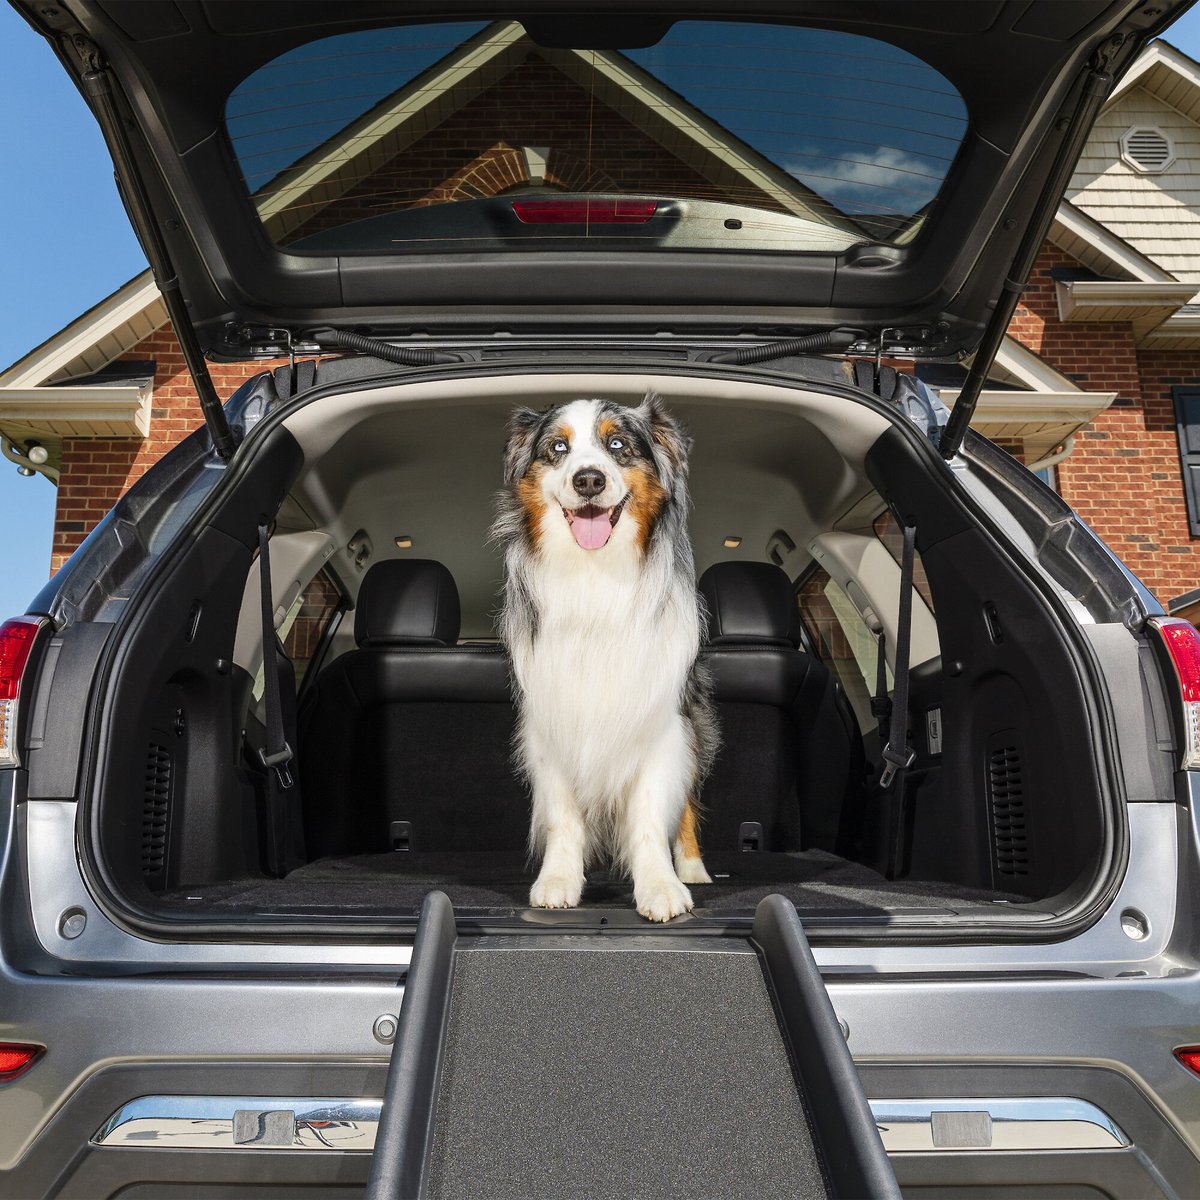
406,740
791,754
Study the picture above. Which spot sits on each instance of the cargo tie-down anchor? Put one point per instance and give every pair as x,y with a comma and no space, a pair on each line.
622,1065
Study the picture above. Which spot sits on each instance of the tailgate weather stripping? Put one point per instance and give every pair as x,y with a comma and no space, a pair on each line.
1009,1124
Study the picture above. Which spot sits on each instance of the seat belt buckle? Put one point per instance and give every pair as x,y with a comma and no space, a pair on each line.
279,761
893,762
881,707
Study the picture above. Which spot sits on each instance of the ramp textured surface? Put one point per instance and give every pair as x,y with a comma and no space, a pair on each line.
611,1073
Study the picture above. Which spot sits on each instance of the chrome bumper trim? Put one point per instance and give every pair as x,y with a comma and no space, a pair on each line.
1012,1123
350,1125
242,1123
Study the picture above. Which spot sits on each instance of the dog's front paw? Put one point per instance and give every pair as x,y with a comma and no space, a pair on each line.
556,891
663,899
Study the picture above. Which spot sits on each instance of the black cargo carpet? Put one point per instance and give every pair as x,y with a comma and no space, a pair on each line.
396,883
573,1074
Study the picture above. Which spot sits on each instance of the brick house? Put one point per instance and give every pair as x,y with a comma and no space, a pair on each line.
1097,384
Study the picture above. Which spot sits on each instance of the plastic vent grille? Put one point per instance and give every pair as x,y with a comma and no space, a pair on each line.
1147,149
156,807
1010,835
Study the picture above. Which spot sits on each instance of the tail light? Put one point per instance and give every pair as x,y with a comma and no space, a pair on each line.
1181,640
17,637
584,212
16,1058
1190,1057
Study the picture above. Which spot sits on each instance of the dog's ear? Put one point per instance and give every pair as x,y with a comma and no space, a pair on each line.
667,433
518,451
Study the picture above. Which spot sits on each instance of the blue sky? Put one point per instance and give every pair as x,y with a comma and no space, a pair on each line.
65,244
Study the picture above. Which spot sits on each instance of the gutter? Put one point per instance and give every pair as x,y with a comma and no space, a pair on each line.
1146,305
1052,460
120,411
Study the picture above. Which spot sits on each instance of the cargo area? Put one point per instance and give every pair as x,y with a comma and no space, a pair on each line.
397,697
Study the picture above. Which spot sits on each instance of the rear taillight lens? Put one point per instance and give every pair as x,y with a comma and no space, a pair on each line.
17,637
584,212
1190,1057
16,1058
1181,641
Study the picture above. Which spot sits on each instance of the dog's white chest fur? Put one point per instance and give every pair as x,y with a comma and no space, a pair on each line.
603,678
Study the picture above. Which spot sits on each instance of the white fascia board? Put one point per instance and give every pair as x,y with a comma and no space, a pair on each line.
106,409
1114,249
322,166
1178,332
1003,407
82,333
1119,300
1158,53
1034,373
1181,322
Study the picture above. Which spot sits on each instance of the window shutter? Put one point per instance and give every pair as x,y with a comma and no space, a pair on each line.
1187,425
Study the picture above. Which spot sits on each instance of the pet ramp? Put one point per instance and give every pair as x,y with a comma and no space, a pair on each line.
622,1065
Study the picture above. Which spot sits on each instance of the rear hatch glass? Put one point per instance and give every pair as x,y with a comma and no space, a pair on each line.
470,135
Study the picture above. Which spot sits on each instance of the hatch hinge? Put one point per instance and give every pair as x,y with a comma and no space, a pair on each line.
1102,60
246,340
97,83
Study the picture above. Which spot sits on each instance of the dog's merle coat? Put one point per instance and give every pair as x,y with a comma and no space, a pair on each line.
603,623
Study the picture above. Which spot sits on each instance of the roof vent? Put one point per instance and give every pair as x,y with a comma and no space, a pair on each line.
1147,149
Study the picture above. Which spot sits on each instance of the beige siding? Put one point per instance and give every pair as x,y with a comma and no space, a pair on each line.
1158,214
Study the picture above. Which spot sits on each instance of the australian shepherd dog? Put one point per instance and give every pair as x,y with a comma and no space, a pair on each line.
603,623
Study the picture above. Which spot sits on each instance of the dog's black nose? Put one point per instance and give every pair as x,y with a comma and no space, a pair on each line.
589,481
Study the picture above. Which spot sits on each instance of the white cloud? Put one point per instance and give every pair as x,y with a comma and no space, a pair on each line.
861,179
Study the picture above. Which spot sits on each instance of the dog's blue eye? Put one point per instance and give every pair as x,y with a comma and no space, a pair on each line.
559,447
615,443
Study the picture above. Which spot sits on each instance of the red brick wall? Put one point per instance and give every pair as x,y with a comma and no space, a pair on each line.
1098,357
96,472
1123,477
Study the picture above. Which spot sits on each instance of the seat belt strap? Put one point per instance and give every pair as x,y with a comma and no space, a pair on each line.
881,702
896,754
276,754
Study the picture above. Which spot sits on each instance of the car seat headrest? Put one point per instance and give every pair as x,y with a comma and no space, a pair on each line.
412,601
750,603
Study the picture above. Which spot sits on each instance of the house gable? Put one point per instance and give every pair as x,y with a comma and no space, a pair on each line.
1157,212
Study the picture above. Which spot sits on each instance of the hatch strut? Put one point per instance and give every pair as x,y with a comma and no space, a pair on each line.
97,83
1097,85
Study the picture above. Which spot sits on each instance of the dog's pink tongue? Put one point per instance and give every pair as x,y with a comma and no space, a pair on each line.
591,532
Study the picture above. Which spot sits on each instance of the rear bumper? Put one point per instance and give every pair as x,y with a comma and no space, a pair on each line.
1096,1018
111,1042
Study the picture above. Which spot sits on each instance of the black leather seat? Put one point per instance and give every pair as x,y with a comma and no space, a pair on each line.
411,727
791,756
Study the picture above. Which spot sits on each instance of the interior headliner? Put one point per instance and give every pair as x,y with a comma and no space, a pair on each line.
423,461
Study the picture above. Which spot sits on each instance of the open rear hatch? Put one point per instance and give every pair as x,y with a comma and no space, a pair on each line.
300,170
